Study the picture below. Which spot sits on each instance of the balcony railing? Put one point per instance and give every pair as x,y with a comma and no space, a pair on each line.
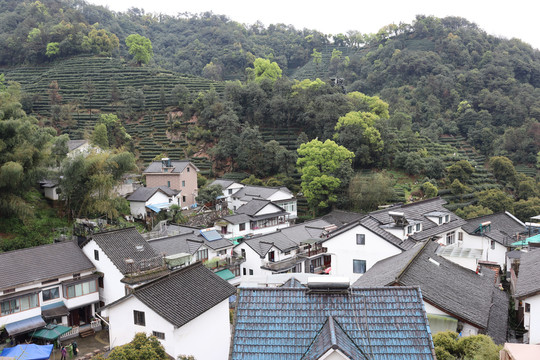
313,251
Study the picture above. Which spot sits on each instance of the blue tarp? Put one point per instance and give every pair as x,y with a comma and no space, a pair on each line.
158,207
527,241
29,352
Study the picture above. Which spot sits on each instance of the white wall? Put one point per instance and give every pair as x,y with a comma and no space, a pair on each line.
253,261
532,319
138,209
113,289
268,209
50,193
206,337
344,250
481,242
468,329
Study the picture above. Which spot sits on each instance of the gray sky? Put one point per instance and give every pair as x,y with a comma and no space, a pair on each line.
507,19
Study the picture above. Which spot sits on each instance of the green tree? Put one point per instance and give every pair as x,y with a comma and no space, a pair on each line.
252,180
525,209
209,194
473,211
53,48
142,347
496,200
503,169
317,58
140,47
320,163
99,136
430,190
100,42
458,188
461,170
264,69
449,346
116,133
366,193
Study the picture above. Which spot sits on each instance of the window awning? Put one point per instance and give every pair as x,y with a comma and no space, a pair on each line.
54,310
51,332
225,274
22,326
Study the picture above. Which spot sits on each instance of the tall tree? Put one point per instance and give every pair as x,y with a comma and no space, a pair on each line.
320,165
140,47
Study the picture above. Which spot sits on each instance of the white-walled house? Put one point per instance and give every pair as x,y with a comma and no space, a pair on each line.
455,298
125,259
281,196
528,293
229,187
47,283
143,198
290,249
493,234
187,310
50,189
253,218
79,147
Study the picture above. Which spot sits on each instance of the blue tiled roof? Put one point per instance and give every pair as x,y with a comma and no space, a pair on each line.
284,323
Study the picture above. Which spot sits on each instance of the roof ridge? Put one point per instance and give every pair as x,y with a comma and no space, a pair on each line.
167,275
38,246
112,230
423,201
421,250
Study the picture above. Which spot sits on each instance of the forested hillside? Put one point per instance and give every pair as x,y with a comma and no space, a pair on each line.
407,112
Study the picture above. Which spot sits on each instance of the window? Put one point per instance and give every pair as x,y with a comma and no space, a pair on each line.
50,294
272,256
527,307
418,227
138,318
440,220
187,169
360,239
168,184
243,252
100,282
359,266
492,244
230,191
242,226
201,255
19,304
159,335
76,276
244,271
96,254
183,183
183,199
80,289
447,218
460,236
409,229
450,238
250,271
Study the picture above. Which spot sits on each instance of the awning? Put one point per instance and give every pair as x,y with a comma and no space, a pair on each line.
22,326
527,241
225,274
158,207
51,332
28,352
54,310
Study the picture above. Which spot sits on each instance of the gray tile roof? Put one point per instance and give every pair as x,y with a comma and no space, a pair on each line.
340,217
178,166
237,219
528,283
287,238
250,192
452,288
123,244
438,229
40,263
504,227
293,283
182,295
252,207
283,323
145,193
498,321
73,144
332,336
224,183
188,241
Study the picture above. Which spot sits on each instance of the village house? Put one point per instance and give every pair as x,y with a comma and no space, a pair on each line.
290,249
329,320
177,175
124,259
184,245
281,196
229,187
455,298
146,201
79,147
46,284
187,310
527,293
253,218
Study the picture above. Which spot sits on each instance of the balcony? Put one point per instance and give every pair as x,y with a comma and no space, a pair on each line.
311,250
217,264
